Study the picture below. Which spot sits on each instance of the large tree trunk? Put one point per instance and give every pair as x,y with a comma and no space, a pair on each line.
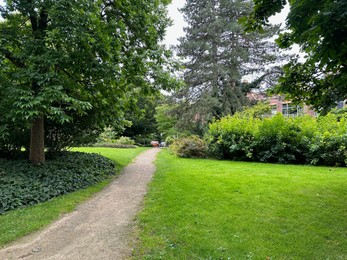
37,141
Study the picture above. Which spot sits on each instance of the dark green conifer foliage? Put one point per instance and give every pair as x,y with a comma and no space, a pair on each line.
217,53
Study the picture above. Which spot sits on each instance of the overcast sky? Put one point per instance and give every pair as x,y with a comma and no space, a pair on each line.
176,30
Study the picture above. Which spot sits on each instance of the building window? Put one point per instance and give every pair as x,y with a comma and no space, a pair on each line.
291,110
273,109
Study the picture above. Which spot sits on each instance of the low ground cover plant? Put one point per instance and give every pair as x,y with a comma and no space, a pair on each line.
212,209
279,139
22,183
22,221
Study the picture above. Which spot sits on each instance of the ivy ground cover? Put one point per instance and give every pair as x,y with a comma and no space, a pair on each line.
209,209
20,222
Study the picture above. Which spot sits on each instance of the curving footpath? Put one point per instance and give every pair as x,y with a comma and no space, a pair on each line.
97,229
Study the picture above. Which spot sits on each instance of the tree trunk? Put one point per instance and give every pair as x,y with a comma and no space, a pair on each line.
37,141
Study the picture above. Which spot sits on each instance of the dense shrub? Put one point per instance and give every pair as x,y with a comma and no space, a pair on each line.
122,142
189,147
328,150
232,137
22,183
329,144
114,145
279,139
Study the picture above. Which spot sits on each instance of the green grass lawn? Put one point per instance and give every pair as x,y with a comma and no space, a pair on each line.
122,156
209,209
20,222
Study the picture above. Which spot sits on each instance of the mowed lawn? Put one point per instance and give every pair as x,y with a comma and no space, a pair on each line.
122,156
209,209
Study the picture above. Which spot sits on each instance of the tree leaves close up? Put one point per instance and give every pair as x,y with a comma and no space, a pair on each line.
320,29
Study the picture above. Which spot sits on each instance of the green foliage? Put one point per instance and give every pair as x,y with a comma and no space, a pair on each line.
259,110
189,147
20,222
262,10
121,142
279,139
231,137
218,53
107,139
83,68
23,184
124,140
321,80
143,128
328,145
23,221
166,119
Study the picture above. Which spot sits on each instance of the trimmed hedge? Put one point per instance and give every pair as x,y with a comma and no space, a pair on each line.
22,183
278,139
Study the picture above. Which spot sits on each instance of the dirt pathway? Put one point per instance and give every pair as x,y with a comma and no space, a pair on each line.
97,229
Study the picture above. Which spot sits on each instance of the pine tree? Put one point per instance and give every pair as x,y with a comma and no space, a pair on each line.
217,54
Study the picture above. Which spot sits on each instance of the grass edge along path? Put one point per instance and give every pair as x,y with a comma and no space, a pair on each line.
209,209
18,223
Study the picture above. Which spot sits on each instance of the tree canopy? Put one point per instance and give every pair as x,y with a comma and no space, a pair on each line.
217,54
65,61
320,29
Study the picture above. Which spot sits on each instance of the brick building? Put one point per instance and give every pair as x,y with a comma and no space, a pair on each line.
280,105
286,107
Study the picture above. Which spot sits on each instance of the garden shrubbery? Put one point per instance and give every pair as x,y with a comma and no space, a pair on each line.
189,147
122,142
22,183
278,139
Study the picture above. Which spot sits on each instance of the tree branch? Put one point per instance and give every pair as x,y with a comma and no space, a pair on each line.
10,56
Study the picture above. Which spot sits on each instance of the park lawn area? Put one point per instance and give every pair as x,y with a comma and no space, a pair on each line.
122,156
210,209
20,222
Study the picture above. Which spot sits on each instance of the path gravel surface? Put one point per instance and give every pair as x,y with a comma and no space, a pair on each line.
97,229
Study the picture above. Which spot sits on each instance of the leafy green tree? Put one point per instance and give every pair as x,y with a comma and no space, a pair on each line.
259,110
65,61
320,29
143,128
166,120
218,53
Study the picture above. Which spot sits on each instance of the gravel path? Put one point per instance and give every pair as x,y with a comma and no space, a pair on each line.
97,229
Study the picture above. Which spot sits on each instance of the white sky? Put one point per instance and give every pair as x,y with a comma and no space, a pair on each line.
176,30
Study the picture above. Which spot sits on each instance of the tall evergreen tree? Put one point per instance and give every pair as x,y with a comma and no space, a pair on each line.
218,53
